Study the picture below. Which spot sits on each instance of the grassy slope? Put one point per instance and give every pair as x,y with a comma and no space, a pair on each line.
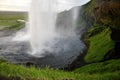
9,70
20,71
100,45
101,68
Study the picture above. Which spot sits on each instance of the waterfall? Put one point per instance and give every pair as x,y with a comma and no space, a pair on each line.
52,35
48,30
49,37
42,23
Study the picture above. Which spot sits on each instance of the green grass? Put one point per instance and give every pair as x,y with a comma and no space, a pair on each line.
17,26
9,70
101,68
100,45
7,22
12,70
10,21
11,24
12,17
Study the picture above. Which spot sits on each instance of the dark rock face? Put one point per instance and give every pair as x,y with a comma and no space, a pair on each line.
116,37
107,12
67,21
78,62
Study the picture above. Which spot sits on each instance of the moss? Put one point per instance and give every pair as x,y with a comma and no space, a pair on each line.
100,45
96,28
90,8
101,68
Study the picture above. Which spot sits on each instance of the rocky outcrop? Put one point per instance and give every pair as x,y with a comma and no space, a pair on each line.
107,12
104,14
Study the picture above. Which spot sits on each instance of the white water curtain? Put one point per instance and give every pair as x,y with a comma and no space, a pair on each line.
42,22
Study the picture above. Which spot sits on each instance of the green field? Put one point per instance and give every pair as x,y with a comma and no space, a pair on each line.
9,20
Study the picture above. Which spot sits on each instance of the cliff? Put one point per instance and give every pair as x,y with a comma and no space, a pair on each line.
105,15
100,19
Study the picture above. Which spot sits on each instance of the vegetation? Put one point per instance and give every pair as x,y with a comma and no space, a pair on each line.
96,29
17,26
100,45
20,71
10,21
12,17
91,5
101,68
2,60
11,24
84,73
7,22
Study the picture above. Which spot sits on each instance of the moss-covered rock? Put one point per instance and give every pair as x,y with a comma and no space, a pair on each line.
104,32
100,45
106,12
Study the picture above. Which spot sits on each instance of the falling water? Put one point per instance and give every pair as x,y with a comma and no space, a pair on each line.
42,23
45,37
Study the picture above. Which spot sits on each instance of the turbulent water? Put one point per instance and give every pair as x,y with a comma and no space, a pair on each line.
45,42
